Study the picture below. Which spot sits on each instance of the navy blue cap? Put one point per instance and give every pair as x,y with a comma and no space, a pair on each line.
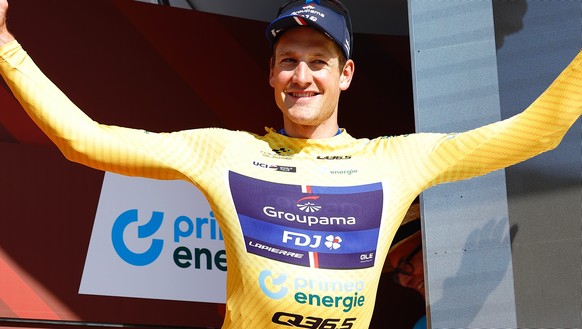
330,17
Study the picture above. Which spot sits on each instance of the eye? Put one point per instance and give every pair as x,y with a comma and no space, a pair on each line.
287,60
318,64
287,63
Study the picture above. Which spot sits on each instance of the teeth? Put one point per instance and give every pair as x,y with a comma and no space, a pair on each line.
303,94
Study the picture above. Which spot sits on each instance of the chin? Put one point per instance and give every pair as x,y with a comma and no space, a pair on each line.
301,118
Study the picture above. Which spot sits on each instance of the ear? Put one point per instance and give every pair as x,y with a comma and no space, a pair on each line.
271,74
347,74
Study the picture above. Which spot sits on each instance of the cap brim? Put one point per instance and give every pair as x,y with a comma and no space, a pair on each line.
290,21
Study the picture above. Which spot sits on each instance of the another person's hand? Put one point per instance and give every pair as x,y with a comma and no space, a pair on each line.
5,35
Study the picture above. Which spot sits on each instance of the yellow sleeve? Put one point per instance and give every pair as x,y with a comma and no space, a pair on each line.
115,149
539,128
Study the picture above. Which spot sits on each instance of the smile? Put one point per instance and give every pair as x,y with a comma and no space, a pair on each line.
303,94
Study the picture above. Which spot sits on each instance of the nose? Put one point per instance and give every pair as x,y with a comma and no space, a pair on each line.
302,74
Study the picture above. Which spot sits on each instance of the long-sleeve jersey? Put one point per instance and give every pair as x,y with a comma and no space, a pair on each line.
307,223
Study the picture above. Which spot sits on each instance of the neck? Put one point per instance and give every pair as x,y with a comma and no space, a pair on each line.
311,132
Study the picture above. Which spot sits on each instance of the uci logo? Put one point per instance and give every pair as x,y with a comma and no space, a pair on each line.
276,291
143,231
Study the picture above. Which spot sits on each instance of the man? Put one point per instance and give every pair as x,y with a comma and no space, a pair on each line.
405,261
305,247
308,72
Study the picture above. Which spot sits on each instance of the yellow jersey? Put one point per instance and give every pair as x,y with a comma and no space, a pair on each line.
307,223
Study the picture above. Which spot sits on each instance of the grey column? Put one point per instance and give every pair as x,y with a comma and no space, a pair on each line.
466,229
475,62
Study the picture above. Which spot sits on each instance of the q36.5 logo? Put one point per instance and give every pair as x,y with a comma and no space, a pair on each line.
143,231
311,322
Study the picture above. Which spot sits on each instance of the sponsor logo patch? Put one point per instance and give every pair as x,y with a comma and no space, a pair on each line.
314,226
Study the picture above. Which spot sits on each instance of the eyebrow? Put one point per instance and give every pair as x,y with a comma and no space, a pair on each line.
313,54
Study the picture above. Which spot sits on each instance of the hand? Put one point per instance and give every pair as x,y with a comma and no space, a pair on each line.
5,36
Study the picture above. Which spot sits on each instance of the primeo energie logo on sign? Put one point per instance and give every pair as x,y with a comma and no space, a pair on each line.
155,239
183,227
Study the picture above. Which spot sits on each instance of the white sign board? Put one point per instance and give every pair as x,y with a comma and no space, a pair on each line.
154,239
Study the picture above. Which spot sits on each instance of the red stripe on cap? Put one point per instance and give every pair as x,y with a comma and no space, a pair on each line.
299,20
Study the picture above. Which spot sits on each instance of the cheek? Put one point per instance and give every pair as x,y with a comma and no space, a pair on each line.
404,280
278,80
328,82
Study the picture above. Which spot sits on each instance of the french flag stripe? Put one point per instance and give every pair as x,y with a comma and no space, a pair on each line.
299,20
313,259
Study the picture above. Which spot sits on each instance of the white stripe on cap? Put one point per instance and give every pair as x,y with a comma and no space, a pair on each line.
299,20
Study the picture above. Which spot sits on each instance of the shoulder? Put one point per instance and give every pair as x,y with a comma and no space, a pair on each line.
217,133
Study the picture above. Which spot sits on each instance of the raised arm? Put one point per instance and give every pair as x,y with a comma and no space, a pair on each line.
116,149
5,36
539,128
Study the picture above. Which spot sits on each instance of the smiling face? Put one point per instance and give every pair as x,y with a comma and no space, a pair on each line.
307,80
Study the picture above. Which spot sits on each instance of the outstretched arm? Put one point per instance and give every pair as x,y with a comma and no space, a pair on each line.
539,128
80,139
441,158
